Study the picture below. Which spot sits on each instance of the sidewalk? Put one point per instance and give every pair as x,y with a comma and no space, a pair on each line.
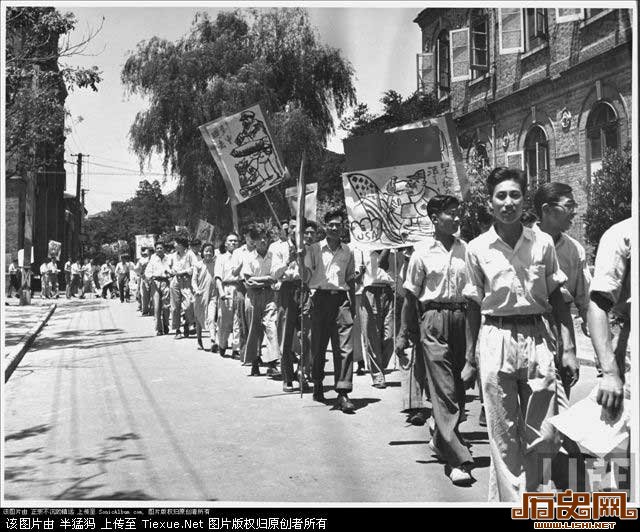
21,325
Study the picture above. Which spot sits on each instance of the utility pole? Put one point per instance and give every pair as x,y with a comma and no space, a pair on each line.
80,205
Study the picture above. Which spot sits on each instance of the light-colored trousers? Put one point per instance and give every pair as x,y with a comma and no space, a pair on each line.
375,307
264,322
181,299
522,390
229,319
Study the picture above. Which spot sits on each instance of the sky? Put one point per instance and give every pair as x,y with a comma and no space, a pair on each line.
380,43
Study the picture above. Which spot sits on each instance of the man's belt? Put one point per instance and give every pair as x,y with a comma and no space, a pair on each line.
227,283
330,292
442,305
514,318
160,278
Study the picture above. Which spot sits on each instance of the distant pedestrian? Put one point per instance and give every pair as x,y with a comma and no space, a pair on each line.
158,272
122,271
67,278
106,282
53,277
144,290
228,282
14,279
45,286
264,320
204,289
76,277
182,264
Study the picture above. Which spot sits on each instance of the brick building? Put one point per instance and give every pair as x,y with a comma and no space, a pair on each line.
38,215
545,90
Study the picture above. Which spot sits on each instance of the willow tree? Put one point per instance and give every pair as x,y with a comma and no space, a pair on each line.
271,56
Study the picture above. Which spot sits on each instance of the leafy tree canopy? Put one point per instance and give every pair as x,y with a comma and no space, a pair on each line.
37,38
271,56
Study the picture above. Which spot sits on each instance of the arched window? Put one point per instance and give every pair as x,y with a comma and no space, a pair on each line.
536,153
602,132
478,156
443,70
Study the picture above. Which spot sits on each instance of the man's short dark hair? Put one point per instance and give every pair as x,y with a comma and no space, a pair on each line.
550,193
195,243
258,231
484,216
312,224
441,203
528,218
246,230
159,243
182,241
501,173
332,215
205,246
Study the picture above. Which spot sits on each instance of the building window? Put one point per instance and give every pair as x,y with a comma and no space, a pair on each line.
478,156
443,69
536,27
479,43
602,133
536,154
588,13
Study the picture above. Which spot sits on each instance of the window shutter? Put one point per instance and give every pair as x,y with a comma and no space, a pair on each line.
514,159
511,29
459,40
479,46
426,74
568,15
541,23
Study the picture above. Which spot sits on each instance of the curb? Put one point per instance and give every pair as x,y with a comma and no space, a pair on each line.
12,360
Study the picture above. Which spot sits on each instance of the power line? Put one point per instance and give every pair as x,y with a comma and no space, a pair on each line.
118,161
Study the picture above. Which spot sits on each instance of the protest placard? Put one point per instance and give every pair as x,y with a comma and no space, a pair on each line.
205,231
144,241
54,249
245,153
390,178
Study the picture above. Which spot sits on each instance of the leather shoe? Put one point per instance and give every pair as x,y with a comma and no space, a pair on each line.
255,371
287,387
214,348
345,404
318,394
418,418
235,355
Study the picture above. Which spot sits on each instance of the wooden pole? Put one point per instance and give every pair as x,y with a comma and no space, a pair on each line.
234,215
300,245
272,210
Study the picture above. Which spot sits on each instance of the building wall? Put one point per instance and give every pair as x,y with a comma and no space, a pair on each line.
14,218
579,64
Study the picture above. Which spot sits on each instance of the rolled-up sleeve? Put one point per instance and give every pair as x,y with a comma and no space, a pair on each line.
583,283
611,263
474,288
555,277
415,275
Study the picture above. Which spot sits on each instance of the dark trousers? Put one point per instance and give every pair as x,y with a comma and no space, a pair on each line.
76,283
288,319
331,319
123,288
442,333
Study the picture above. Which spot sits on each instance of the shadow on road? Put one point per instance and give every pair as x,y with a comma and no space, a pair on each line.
28,433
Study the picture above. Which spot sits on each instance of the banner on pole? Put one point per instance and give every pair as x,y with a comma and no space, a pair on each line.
390,178
205,231
144,241
310,201
243,149
54,249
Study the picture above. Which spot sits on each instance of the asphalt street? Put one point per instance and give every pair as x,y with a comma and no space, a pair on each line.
101,408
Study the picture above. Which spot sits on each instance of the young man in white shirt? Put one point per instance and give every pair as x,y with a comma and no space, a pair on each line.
45,287
330,271
257,274
53,277
67,279
158,273
182,264
122,277
228,283
436,277
144,305
76,278
514,281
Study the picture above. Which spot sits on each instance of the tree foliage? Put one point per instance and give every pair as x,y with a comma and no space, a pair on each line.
396,112
148,212
271,56
609,194
36,84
